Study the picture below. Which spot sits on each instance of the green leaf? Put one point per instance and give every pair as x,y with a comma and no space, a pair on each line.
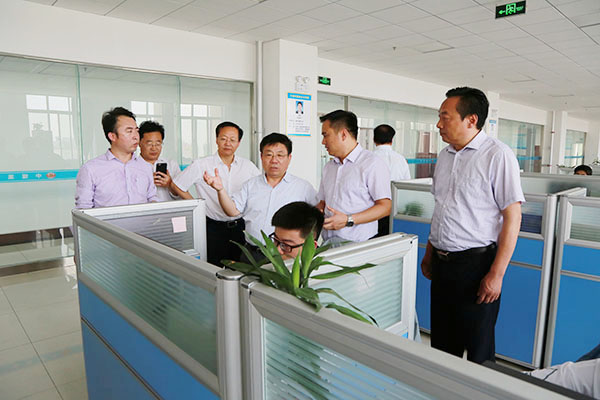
276,261
321,249
347,311
296,272
241,267
246,252
310,296
336,294
342,271
307,254
275,280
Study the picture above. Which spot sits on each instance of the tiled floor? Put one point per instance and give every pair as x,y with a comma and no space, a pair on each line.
41,355
35,251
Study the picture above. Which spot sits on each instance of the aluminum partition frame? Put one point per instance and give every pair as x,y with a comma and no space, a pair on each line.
223,284
566,202
424,368
197,206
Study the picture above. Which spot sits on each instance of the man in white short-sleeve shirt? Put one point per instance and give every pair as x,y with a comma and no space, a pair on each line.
355,187
152,135
474,229
383,136
234,170
260,197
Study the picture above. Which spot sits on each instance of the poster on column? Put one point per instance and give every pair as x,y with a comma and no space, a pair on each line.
298,114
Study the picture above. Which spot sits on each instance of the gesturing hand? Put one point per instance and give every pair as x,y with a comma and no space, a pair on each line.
214,181
336,221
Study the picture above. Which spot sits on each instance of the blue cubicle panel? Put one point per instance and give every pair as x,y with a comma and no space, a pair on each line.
121,361
522,317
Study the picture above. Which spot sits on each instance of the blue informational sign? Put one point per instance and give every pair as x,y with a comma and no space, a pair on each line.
37,176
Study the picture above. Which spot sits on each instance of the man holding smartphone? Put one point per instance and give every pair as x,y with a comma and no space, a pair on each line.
152,135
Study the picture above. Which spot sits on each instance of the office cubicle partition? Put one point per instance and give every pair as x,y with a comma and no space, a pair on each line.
522,320
293,352
574,320
156,322
538,183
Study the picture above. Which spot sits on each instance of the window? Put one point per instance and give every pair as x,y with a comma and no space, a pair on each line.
574,144
198,124
51,126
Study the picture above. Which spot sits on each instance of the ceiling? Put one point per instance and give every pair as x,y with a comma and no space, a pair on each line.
547,58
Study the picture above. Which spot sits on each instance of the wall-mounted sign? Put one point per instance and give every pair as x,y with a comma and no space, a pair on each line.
298,114
509,9
323,80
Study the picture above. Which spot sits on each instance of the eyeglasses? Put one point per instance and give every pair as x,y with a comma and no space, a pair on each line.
286,248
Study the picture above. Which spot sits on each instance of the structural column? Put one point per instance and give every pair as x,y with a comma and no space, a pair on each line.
292,68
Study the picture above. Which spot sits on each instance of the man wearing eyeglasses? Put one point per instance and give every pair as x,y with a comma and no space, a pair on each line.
260,197
293,223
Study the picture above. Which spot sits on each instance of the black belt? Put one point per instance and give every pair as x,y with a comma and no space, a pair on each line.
227,224
453,255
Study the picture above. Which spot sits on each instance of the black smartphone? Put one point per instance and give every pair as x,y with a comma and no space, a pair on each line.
161,167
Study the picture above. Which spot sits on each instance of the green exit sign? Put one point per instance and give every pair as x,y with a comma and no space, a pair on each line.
323,80
510,9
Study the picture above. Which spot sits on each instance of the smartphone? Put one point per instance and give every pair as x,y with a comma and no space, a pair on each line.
161,167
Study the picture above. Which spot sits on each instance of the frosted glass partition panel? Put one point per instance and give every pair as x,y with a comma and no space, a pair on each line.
206,103
179,224
299,368
149,96
574,147
525,141
585,223
184,313
553,183
531,216
40,147
378,291
387,291
413,199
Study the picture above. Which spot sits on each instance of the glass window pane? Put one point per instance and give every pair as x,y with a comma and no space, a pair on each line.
138,107
56,103
574,145
36,102
186,110
524,139
200,110
215,111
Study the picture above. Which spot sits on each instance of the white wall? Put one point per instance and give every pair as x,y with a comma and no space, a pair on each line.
32,29
519,112
578,124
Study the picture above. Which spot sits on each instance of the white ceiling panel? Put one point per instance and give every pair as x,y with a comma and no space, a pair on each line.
436,7
465,16
371,5
580,7
587,19
331,13
146,11
388,31
263,12
90,6
359,24
537,16
45,2
295,6
447,33
426,24
549,27
400,14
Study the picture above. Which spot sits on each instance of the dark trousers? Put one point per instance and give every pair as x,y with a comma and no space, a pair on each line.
256,253
457,321
219,235
383,226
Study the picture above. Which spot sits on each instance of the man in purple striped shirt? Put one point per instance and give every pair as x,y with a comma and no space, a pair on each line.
119,176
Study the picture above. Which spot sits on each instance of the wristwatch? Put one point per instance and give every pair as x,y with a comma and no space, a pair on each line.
350,221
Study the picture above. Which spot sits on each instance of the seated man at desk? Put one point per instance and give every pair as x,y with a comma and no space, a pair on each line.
582,170
293,223
261,196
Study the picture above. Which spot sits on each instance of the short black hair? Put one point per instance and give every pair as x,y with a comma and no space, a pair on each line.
383,134
151,126
109,120
274,138
299,215
226,124
472,101
584,168
342,119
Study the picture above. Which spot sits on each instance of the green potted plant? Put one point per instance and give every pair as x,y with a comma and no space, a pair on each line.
295,281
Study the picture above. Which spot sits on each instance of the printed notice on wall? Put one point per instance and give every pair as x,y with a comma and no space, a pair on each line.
298,114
